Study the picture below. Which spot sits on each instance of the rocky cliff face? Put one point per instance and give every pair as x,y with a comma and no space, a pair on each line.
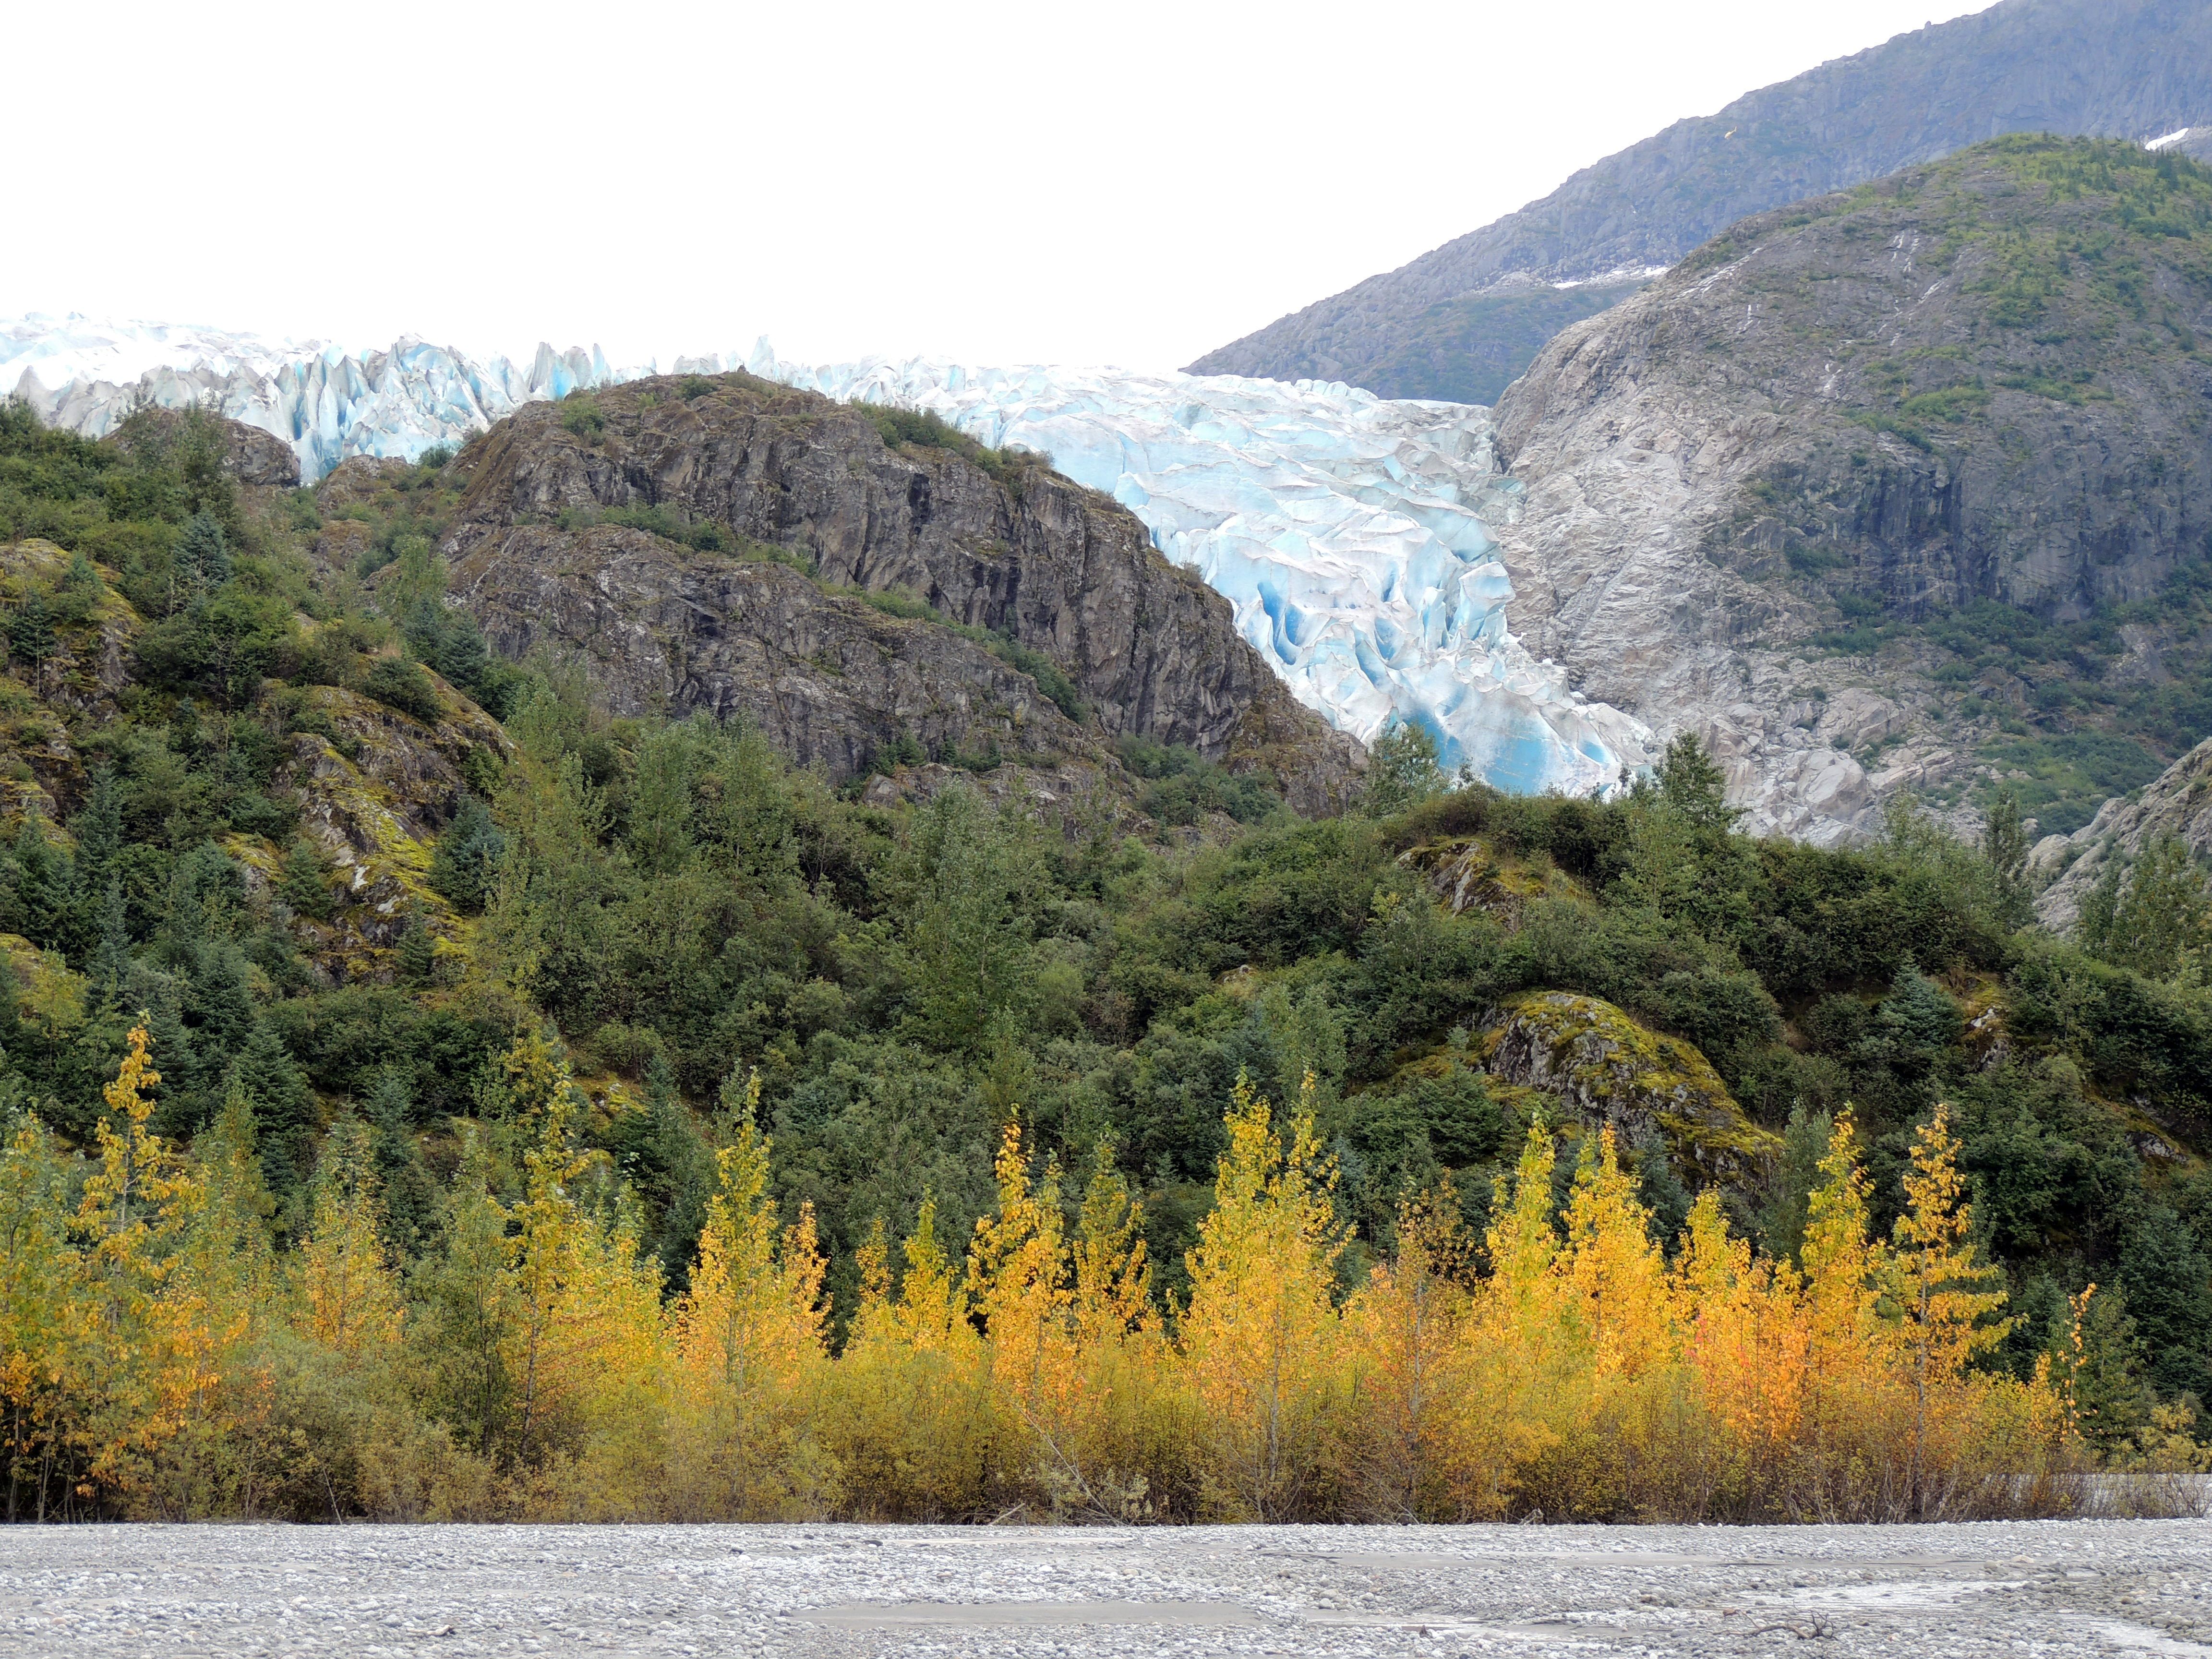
2178,803
1460,321
849,579
257,459
1774,498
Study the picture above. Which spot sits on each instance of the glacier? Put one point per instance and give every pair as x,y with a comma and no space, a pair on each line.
1350,534
327,402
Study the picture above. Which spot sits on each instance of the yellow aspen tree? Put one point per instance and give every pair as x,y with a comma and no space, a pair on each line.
1515,1348
1258,1336
1612,1403
350,1297
586,1309
611,1321
1112,1295
915,1424
1950,1298
1845,1268
1017,1266
206,1352
748,1341
1120,1417
1402,1329
1616,1274
1741,1327
135,1203
43,1317
1848,1358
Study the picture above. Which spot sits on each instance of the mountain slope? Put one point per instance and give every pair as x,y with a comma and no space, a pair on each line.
1896,486
1461,322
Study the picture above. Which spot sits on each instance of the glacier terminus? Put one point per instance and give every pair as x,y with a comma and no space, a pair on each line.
1350,534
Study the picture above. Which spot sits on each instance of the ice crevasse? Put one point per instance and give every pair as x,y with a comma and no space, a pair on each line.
1349,533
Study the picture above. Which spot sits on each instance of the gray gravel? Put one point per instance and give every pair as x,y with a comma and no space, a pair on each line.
2081,1587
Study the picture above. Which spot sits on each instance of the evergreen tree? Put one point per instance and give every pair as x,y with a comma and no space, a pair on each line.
182,1097
218,1004
416,957
466,867
412,1201
1661,1190
2168,1281
202,558
1688,780
98,829
304,881
44,883
2112,1395
684,1171
1402,769
2164,909
2004,847
31,637
265,1072
1918,1016
111,957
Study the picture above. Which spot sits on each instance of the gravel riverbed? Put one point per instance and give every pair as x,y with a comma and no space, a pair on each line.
2078,1586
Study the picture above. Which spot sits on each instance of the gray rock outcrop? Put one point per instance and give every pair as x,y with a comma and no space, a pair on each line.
2179,803
259,459
1834,418
736,546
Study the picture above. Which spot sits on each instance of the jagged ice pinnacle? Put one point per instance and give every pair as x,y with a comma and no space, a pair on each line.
1348,533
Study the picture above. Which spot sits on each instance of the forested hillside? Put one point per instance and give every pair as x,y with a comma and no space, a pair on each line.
430,1093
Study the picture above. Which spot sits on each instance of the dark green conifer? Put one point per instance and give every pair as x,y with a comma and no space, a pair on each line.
202,557
31,637
282,1106
303,881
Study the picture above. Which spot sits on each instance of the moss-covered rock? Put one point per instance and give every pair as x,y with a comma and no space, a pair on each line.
48,993
1464,873
1607,1069
84,678
372,799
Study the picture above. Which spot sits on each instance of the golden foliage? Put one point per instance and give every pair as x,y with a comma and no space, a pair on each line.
157,1357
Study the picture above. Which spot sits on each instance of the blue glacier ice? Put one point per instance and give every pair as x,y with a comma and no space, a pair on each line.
328,403
1350,534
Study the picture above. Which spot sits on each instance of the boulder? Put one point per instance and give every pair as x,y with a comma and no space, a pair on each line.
1606,1069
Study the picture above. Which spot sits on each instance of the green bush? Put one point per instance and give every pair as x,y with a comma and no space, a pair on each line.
580,414
397,683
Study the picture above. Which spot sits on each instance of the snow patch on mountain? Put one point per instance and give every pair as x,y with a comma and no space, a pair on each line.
1350,534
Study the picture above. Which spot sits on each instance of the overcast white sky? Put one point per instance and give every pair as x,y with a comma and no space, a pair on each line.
994,182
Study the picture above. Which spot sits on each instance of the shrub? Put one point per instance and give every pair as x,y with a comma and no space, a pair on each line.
397,683
581,414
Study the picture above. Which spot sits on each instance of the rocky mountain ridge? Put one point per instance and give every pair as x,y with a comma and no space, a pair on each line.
856,580
2177,803
1900,488
1461,322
